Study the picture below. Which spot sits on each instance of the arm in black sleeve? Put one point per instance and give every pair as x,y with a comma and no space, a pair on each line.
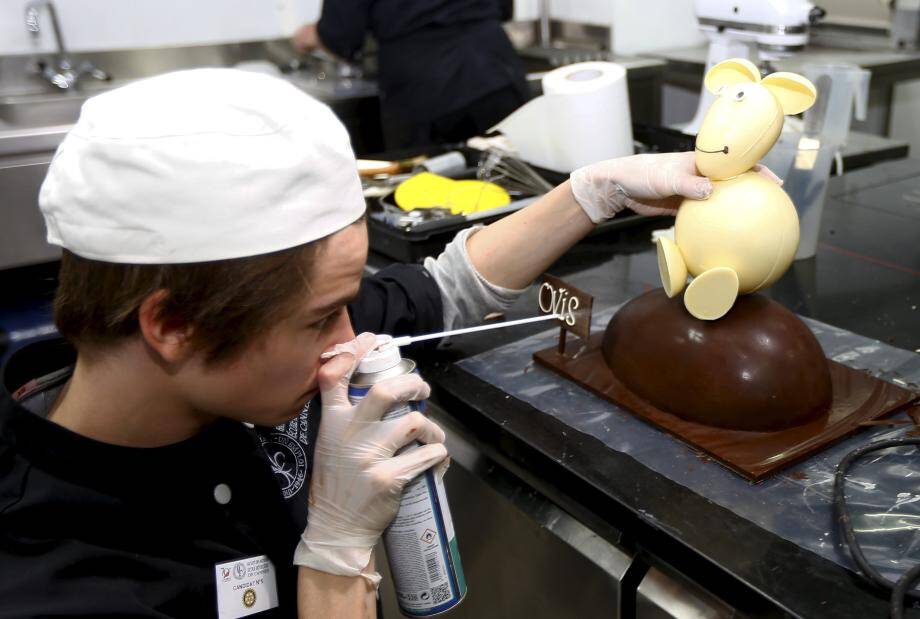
506,7
343,25
401,299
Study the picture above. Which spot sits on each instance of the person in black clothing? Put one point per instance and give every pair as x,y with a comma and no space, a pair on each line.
186,452
447,70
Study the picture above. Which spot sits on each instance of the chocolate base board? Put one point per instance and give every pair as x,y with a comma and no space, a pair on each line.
857,398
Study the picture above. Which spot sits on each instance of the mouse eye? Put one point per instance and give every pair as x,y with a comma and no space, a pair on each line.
739,96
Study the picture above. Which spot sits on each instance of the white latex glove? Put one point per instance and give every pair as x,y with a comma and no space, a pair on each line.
652,184
357,481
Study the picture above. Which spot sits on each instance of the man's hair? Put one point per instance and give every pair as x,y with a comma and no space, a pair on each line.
227,303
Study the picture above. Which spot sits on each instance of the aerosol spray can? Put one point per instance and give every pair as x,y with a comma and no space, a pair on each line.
421,543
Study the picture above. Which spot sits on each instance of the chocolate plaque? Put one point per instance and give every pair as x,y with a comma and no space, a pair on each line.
571,305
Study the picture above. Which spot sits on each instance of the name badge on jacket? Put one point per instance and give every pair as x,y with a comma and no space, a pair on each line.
245,586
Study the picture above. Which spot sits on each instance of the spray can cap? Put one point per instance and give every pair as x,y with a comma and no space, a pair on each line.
383,357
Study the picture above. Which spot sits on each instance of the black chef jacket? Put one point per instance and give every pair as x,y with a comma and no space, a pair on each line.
91,529
435,56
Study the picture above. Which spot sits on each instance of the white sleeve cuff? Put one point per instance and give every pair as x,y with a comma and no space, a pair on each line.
466,295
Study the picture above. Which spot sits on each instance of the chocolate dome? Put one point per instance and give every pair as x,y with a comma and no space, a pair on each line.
758,368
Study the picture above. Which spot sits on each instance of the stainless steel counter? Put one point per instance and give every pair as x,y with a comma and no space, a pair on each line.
683,78
866,148
880,61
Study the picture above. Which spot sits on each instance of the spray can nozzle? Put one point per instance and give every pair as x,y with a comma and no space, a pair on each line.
384,356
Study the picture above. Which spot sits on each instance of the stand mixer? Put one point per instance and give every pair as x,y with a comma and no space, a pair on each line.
757,30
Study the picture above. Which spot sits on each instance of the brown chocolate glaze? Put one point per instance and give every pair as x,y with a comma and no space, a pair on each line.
857,397
758,368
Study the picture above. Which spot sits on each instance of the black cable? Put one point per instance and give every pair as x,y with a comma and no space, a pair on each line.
901,589
905,583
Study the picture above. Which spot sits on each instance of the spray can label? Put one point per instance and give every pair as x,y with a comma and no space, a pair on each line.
421,543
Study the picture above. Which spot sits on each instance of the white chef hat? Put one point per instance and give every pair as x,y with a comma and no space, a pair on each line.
200,165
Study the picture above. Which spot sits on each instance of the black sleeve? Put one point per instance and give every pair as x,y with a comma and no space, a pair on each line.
401,299
342,26
507,9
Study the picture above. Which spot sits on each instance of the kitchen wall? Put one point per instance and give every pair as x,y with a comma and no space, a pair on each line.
638,26
120,24
597,12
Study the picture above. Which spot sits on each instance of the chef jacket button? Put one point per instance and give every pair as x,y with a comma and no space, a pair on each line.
222,493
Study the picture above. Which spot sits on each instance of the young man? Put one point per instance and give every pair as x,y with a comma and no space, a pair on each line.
213,248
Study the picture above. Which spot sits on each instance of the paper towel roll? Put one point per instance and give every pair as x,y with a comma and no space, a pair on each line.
581,117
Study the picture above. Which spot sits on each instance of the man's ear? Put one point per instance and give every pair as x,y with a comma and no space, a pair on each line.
732,71
169,338
794,92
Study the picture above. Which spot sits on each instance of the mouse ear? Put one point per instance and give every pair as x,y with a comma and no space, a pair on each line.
732,71
794,92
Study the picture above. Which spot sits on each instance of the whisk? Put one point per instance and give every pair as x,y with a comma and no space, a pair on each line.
498,166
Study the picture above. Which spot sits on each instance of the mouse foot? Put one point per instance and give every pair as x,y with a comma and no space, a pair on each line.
712,293
671,266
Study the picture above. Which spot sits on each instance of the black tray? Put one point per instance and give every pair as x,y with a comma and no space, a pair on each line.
413,245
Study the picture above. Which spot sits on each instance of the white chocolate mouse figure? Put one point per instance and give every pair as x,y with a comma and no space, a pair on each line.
744,236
